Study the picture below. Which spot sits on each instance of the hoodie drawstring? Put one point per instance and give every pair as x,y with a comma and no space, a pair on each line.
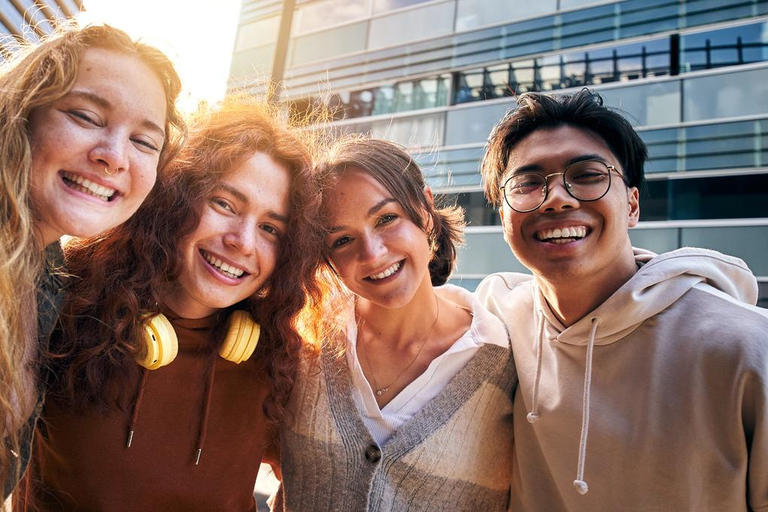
137,406
206,410
533,415
203,430
580,485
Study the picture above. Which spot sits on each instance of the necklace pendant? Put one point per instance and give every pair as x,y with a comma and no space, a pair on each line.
381,391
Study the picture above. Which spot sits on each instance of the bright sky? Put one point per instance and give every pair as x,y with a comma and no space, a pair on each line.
198,35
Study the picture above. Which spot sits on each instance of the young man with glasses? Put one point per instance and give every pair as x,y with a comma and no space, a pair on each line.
643,378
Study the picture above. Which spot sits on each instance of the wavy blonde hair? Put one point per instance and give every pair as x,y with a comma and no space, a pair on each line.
33,76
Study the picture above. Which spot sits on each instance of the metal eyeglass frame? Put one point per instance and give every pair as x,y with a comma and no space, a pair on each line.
566,185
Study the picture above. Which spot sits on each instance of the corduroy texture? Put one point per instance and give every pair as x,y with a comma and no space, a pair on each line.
455,454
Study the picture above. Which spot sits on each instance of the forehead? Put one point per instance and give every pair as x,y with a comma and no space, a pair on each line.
547,147
130,86
354,192
262,182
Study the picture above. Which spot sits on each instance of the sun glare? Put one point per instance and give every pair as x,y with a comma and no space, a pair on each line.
198,36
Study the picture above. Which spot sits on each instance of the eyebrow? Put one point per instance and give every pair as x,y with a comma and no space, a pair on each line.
372,211
580,158
244,199
107,105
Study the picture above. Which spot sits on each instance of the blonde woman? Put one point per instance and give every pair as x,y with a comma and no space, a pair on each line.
87,119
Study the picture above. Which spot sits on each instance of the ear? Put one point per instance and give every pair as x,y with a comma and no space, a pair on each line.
633,197
503,231
429,196
429,223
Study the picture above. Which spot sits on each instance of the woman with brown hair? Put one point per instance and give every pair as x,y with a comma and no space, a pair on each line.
87,121
162,394
417,412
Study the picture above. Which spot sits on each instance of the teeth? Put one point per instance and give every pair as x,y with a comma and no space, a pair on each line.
87,186
225,268
562,235
391,270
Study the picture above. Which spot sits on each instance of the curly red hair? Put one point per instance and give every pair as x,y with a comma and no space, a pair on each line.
119,277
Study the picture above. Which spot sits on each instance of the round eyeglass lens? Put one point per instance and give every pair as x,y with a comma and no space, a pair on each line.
588,180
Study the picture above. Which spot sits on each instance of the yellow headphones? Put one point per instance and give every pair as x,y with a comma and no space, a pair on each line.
162,345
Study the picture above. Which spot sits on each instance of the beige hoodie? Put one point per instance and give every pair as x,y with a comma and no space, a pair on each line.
655,401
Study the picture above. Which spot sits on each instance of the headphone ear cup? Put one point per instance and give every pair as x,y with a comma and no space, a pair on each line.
160,343
242,338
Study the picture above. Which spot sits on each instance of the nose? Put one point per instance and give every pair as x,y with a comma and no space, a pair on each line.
372,248
558,197
242,237
112,152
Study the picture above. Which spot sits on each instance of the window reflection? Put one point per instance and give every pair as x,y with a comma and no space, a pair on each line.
323,14
386,99
627,62
727,47
391,5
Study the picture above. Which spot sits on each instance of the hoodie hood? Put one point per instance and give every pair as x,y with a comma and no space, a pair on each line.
660,281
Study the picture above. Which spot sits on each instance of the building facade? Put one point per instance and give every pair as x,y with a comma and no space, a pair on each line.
28,20
691,75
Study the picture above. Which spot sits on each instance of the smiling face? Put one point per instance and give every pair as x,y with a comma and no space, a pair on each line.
233,251
111,120
376,249
566,239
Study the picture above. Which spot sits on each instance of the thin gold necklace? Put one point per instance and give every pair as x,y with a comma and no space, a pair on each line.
380,391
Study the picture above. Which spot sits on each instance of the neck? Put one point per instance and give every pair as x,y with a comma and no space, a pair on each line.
403,326
572,300
185,308
45,236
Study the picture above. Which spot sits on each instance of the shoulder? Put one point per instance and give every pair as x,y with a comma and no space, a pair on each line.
728,327
504,291
502,283
484,327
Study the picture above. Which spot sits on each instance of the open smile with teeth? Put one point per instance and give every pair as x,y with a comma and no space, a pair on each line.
388,272
224,268
84,185
562,235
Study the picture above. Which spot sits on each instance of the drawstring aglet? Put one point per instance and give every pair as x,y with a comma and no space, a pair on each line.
197,457
581,486
130,439
532,417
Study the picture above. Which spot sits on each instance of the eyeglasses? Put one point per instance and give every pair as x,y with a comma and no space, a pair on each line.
587,180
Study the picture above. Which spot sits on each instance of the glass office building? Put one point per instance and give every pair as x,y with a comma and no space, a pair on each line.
691,75
30,19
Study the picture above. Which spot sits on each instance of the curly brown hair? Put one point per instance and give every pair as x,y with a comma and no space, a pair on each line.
119,278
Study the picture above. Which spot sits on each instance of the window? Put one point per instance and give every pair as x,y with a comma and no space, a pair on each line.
258,33
329,44
326,13
476,13
728,47
412,25
726,95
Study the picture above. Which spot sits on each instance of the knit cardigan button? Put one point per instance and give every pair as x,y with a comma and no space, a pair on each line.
373,453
